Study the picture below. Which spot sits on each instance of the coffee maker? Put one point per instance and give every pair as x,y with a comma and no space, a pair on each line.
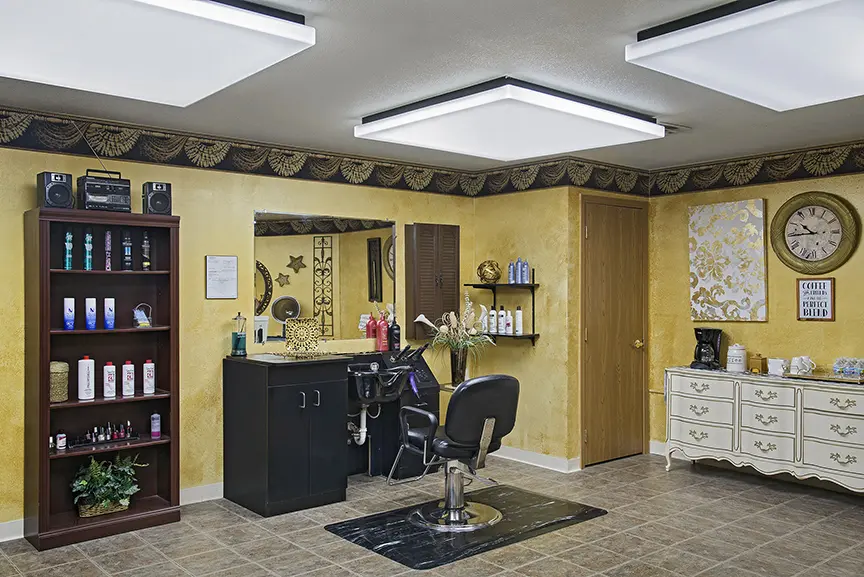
707,353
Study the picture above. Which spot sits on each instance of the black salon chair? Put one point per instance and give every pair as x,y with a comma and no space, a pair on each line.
481,412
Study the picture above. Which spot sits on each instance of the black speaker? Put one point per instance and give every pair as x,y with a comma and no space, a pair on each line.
156,198
54,190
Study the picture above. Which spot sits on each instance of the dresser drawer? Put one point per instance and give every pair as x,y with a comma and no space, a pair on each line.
768,394
703,386
834,456
768,446
835,428
835,402
701,434
705,410
768,419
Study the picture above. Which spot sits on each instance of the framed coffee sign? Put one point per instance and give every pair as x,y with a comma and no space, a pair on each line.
815,299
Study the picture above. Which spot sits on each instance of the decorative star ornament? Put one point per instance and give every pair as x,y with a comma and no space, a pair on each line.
296,263
282,279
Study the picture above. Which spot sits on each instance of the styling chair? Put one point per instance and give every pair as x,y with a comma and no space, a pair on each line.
481,412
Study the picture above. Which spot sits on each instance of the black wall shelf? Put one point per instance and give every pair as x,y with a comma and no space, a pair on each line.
532,286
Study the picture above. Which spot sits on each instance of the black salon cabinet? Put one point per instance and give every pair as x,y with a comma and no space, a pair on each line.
285,435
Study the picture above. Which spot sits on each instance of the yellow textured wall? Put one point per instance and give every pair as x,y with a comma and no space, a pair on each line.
274,252
354,277
216,210
671,340
532,225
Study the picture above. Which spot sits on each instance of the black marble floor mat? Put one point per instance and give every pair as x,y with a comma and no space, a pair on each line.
526,515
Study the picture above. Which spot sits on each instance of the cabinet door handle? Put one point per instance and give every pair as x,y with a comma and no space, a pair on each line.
698,436
317,403
767,422
850,459
698,411
699,388
765,448
850,430
846,404
765,396
303,396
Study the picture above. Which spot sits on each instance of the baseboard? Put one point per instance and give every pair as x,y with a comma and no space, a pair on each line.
200,493
657,448
11,530
559,464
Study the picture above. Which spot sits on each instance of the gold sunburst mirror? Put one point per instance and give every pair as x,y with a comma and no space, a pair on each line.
814,232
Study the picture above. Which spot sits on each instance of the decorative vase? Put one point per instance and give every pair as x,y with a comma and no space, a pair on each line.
100,509
489,272
458,362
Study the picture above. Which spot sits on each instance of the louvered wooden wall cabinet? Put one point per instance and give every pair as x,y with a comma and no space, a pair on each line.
431,275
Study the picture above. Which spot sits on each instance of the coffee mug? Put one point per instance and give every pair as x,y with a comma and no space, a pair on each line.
802,365
778,366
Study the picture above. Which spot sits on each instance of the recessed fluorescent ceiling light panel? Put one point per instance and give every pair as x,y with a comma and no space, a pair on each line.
781,54
507,119
167,51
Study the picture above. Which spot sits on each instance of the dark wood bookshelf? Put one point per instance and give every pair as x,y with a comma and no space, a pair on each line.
139,396
109,447
497,286
51,518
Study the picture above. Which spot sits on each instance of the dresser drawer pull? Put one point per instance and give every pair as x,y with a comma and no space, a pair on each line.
847,461
698,436
765,396
765,448
698,411
699,388
846,404
770,420
850,430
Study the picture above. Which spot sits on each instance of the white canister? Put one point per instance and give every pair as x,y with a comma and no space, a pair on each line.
86,379
736,359
128,379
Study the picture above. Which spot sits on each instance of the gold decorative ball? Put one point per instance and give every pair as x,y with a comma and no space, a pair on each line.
489,272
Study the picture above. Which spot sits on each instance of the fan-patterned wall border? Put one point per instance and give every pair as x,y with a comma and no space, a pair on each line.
56,133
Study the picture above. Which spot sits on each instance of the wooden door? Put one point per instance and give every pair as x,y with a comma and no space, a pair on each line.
614,320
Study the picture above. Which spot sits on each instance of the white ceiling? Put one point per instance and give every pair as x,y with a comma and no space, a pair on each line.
372,55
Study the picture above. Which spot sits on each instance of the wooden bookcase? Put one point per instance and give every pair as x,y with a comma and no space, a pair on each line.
50,517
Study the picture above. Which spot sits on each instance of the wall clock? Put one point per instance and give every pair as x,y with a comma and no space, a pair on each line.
814,232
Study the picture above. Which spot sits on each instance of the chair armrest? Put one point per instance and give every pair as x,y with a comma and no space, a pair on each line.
428,430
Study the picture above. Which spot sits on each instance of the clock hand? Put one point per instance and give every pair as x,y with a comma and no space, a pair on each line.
807,229
803,234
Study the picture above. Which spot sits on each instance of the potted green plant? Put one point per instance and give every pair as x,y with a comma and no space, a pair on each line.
461,334
103,487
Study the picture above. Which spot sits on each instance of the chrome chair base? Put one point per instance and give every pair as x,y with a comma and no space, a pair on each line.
472,517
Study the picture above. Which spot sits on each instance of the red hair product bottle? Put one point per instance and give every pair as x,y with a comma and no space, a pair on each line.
382,340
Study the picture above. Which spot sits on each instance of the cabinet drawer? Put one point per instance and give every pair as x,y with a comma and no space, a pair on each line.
835,402
834,456
768,394
703,386
768,446
701,435
769,419
836,428
703,410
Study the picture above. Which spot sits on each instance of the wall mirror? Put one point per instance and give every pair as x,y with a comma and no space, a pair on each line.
333,269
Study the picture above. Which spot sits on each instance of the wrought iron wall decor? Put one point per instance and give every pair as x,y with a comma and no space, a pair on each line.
373,269
266,291
322,287
58,133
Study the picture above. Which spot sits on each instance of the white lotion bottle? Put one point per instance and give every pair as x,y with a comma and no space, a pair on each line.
109,380
517,324
128,379
86,379
509,329
149,377
502,321
493,321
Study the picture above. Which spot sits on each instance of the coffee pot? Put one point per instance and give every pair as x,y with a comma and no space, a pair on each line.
707,352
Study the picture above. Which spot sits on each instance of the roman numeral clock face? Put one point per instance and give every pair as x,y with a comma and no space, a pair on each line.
813,233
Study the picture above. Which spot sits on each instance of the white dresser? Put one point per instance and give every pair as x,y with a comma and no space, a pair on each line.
774,424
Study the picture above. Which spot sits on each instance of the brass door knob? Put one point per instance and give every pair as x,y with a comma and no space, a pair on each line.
638,343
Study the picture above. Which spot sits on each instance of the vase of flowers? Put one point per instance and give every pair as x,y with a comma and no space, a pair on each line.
461,334
103,487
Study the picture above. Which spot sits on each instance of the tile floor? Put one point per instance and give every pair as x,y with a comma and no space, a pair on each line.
693,521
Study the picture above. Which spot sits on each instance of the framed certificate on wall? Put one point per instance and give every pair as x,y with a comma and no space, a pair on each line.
815,299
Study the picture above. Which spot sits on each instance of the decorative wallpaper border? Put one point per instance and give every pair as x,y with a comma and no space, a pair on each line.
64,134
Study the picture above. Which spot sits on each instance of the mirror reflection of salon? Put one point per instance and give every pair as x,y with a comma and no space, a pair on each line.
333,269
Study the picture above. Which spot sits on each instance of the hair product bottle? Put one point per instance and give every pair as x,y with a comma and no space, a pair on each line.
128,379
90,314
502,321
511,273
88,249
108,314
145,252
149,377
67,252
517,323
109,380
381,335
493,321
509,326
86,379
395,335
69,314
107,250
371,326
127,250
155,426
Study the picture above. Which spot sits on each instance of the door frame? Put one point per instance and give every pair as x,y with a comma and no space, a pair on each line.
610,200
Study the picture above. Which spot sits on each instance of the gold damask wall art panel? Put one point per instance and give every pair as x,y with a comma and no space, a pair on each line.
727,261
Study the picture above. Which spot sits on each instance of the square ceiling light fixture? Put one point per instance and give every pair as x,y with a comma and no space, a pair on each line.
172,52
780,54
507,119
